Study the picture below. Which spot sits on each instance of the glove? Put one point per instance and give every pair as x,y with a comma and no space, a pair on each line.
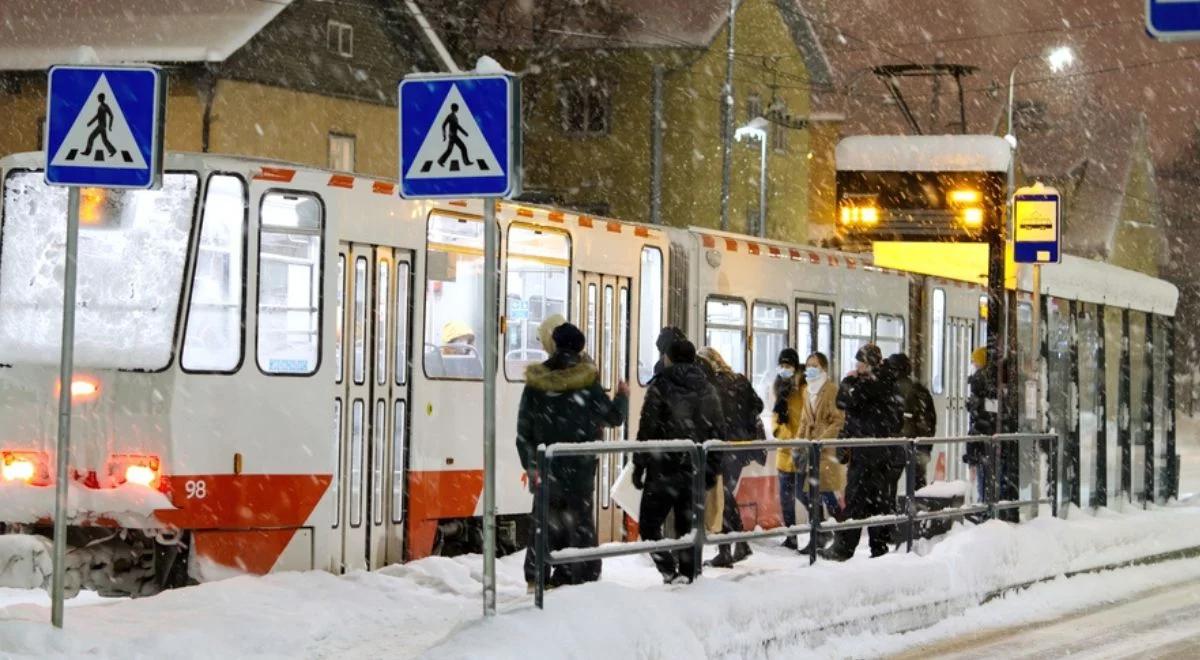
781,411
531,480
843,455
639,478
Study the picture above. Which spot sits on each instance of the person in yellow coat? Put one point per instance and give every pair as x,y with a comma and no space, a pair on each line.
822,420
787,413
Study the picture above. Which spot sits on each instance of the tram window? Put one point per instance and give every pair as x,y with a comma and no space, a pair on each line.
938,344
856,331
649,312
889,334
377,461
337,461
825,334
381,321
289,284
539,270
804,338
339,340
401,323
360,320
770,337
725,330
357,428
454,287
398,425
590,321
606,372
623,330
981,326
213,341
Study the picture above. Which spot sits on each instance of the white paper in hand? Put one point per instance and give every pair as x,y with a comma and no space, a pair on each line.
625,494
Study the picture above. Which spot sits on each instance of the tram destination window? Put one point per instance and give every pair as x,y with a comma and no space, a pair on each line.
725,330
539,270
289,284
453,291
650,307
214,323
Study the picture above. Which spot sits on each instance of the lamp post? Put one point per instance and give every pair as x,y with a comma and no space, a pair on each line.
756,129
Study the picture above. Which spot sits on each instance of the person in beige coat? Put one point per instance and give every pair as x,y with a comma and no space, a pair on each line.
820,419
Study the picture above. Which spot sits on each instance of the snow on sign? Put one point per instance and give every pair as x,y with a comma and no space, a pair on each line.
104,126
459,136
1036,226
1173,20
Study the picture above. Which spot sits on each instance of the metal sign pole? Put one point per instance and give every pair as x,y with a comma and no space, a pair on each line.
491,289
65,377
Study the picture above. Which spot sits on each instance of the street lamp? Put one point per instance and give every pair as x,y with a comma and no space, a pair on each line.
756,129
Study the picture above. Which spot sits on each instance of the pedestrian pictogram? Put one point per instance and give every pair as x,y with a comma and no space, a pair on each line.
459,136
103,126
454,147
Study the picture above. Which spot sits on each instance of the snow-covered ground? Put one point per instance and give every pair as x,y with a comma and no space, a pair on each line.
772,605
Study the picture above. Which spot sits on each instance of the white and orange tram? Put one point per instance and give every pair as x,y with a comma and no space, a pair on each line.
278,367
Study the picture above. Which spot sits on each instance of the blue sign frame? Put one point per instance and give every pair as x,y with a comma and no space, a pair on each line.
1172,20
139,91
493,101
1026,252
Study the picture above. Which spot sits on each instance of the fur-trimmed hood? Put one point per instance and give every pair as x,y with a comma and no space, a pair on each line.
566,378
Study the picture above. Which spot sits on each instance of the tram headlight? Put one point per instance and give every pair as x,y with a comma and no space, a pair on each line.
972,217
964,196
140,469
869,215
25,466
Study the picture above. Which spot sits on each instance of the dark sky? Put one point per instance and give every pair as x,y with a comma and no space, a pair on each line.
1119,71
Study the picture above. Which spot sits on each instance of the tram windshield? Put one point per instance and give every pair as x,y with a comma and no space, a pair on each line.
133,246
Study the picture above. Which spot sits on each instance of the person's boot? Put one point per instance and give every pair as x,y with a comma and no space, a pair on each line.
741,550
789,543
723,558
834,553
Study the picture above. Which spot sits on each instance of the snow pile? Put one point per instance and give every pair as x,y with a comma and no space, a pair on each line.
944,489
26,562
129,505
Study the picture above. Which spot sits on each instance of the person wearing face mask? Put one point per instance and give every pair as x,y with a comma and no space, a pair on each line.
821,419
789,405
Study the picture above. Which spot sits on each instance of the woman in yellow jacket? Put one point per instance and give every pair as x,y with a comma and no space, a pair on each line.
822,420
787,414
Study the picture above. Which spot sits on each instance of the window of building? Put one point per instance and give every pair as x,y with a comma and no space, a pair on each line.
339,38
539,271
856,331
453,291
586,108
889,334
213,341
770,337
725,330
341,152
650,311
753,106
289,283
938,336
779,131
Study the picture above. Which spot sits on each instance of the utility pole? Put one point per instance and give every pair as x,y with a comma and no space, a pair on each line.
727,124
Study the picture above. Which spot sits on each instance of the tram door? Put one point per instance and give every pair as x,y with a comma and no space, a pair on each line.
602,312
960,341
814,333
372,348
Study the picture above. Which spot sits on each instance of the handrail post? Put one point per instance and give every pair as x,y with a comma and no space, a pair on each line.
541,546
910,486
990,487
699,460
1054,478
813,477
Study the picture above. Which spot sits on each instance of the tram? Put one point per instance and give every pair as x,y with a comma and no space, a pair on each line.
278,367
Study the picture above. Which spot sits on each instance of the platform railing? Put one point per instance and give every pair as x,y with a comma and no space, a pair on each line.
545,559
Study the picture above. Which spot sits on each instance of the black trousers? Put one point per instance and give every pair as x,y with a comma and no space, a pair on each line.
731,471
571,523
662,496
870,491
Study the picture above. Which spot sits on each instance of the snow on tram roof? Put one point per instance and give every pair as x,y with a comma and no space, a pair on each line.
923,153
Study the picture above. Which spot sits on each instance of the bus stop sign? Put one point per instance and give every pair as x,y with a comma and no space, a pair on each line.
1173,20
1037,229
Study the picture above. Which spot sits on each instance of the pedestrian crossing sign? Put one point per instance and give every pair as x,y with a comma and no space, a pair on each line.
104,126
459,136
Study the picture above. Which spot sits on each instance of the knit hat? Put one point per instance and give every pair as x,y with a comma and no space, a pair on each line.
899,365
669,335
682,352
870,355
546,332
790,357
568,338
979,357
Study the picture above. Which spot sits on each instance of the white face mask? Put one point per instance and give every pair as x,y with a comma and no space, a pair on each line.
786,372
814,373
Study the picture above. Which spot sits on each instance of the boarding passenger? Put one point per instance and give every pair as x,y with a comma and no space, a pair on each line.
821,419
786,413
982,406
742,408
667,336
919,413
564,402
680,404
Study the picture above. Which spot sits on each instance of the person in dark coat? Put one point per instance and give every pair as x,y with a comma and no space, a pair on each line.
667,336
680,404
872,411
741,407
919,413
982,405
564,402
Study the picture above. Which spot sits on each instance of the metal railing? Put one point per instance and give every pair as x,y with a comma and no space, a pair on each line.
545,559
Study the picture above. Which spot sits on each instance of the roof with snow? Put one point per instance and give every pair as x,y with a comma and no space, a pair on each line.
923,153
35,34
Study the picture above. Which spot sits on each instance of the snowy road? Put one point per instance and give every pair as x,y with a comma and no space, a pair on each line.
1162,623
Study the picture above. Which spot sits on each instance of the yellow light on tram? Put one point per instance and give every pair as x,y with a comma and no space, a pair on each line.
973,217
847,215
140,475
964,196
91,206
869,215
18,469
